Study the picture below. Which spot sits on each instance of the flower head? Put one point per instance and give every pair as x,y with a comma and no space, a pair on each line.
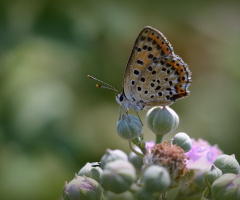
202,154
169,156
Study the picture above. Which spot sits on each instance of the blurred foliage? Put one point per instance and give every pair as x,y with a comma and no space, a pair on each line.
52,118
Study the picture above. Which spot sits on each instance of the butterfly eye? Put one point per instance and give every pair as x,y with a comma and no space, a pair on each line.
121,97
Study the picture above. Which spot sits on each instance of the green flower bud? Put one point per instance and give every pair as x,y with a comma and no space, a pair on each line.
92,172
123,196
162,120
118,176
156,179
136,160
227,187
213,174
143,194
129,127
227,164
112,155
183,140
82,187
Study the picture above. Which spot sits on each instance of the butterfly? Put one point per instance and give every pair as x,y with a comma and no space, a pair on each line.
154,76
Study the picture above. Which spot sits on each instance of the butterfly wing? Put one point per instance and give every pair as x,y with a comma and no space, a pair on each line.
163,81
150,45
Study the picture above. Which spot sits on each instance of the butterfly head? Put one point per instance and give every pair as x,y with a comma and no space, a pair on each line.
129,103
121,99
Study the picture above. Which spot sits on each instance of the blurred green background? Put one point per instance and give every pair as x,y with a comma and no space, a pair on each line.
52,117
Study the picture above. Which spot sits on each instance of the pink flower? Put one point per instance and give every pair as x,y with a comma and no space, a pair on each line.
202,154
149,145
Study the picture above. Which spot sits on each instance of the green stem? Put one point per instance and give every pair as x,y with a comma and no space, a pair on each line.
141,137
159,139
139,143
206,181
205,193
133,150
136,140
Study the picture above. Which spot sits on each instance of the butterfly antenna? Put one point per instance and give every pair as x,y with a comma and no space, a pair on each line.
102,86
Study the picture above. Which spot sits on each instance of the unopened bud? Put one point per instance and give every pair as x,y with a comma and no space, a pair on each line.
227,164
136,160
213,174
112,155
162,120
129,127
183,140
156,179
226,187
92,172
118,176
82,187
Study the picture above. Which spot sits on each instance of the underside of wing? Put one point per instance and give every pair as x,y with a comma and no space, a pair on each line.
149,46
163,81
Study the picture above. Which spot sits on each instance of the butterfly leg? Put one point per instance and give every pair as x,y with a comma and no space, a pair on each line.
126,110
139,117
119,112
120,115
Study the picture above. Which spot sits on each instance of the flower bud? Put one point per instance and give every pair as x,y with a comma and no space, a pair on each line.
213,174
156,179
227,164
112,155
143,194
162,120
129,127
92,172
226,187
136,160
82,187
183,140
118,176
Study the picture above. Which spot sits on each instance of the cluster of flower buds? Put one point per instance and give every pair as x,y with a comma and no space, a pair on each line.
153,169
150,170
223,179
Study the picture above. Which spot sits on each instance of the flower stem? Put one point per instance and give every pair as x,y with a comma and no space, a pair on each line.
204,195
133,150
140,144
206,181
207,191
159,139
